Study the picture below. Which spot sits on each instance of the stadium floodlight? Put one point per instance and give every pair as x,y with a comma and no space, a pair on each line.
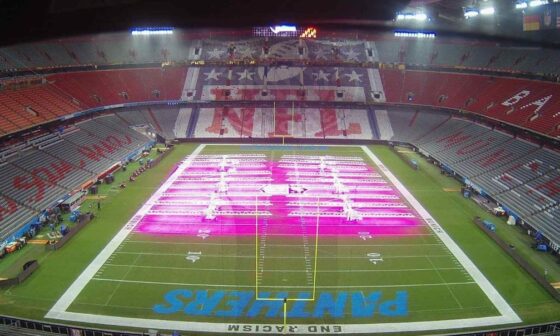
415,34
421,17
409,16
283,29
152,31
471,12
521,5
487,11
536,3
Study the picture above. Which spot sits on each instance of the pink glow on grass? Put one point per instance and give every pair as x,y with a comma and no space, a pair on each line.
249,230
181,209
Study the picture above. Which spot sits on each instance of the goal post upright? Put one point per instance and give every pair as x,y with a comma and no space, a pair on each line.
274,118
293,113
257,247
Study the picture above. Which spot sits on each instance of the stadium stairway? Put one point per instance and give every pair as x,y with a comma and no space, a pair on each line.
182,122
372,124
383,124
192,122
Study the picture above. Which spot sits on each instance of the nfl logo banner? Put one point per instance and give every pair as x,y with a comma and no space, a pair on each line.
541,18
531,23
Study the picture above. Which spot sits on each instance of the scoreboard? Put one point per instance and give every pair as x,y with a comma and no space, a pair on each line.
285,31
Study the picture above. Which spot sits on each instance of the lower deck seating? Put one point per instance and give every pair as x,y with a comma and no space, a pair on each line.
516,173
13,214
34,178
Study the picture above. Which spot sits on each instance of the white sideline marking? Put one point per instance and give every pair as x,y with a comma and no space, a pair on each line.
507,313
59,310
301,328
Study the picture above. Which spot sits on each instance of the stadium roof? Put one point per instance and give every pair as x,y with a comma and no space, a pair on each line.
28,20
22,20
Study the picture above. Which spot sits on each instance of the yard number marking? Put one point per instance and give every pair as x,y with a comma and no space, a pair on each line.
365,235
193,256
203,233
374,257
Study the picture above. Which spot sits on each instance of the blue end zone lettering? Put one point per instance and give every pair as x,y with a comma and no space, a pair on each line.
244,304
237,302
204,304
364,306
326,303
174,302
396,307
273,307
298,307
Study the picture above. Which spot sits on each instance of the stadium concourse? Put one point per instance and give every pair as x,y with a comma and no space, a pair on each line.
76,108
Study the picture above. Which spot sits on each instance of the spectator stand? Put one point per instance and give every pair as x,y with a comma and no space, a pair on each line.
52,228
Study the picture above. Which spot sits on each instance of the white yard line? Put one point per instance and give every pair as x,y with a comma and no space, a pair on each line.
130,268
284,270
365,244
237,256
282,286
443,280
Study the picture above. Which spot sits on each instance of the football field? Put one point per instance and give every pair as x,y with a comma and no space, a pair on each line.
298,239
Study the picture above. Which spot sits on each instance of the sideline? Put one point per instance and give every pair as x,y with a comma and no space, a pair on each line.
58,311
508,315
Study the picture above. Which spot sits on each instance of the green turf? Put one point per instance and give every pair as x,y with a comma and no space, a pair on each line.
155,264
59,269
513,235
12,264
455,213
